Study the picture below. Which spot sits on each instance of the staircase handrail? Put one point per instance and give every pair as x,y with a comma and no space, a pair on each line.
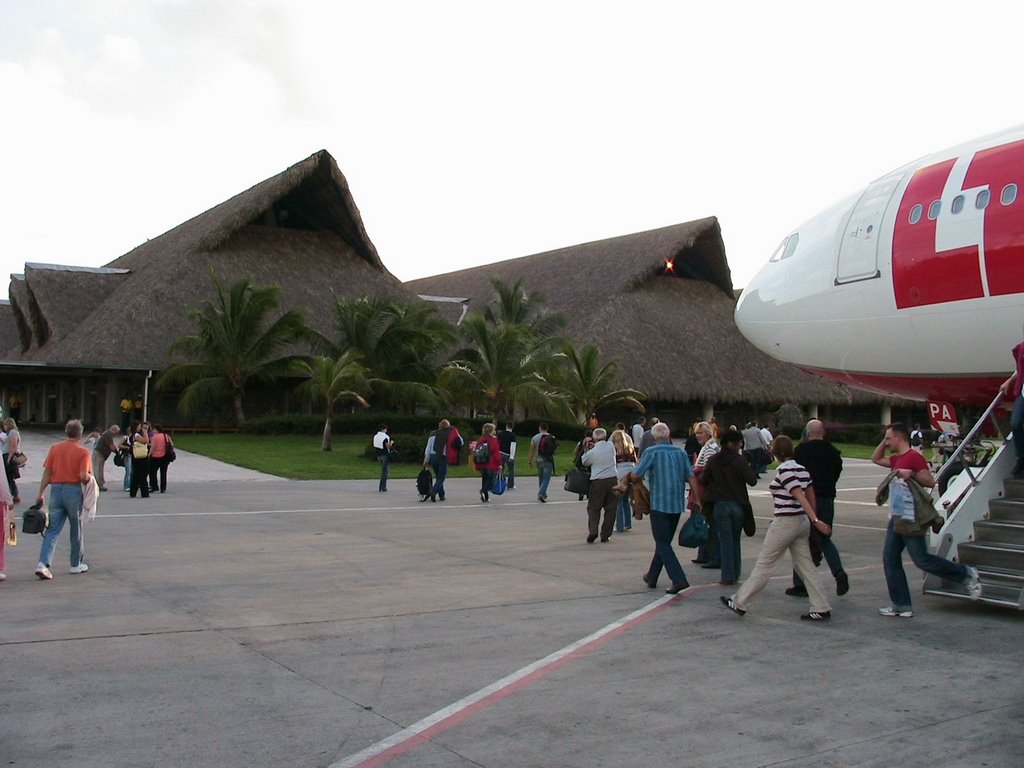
966,442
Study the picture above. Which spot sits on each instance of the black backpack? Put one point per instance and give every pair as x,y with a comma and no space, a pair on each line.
547,446
34,519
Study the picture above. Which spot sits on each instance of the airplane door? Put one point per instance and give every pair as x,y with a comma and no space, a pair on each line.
858,254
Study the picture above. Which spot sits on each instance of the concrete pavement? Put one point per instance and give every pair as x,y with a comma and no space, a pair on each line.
232,622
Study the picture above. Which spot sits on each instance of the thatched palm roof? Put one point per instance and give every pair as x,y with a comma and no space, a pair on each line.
299,230
672,330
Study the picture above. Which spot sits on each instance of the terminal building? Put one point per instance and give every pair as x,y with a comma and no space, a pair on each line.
74,341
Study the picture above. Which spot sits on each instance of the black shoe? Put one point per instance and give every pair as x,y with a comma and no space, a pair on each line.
729,603
796,592
440,496
842,583
710,565
605,539
817,616
433,497
677,587
423,498
541,499
698,561
482,497
650,584
591,538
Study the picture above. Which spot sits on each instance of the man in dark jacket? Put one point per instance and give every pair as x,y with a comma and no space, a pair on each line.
824,463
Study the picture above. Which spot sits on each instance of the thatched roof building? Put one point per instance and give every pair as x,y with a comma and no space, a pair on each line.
300,230
661,303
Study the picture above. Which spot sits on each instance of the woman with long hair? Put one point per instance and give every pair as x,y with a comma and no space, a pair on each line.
625,462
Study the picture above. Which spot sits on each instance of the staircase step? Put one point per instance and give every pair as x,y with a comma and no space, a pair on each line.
999,532
985,555
1013,488
1008,600
1006,509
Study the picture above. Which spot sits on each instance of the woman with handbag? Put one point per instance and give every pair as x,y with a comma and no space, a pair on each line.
487,456
707,554
625,462
789,529
139,450
12,450
725,479
159,453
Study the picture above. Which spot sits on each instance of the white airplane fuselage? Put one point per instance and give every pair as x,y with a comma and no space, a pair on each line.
914,287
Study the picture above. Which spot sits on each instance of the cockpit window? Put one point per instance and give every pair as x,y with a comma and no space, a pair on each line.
786,247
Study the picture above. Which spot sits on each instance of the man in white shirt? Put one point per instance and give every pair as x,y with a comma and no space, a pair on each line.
382,444
603,479
637,433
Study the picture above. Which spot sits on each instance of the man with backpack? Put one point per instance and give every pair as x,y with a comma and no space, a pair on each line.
445,450
542,449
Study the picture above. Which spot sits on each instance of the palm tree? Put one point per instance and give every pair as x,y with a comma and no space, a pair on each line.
501,368
236,345
589,386
400,346
512,305
333,382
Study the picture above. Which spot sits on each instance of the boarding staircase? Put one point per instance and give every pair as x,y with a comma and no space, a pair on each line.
984,528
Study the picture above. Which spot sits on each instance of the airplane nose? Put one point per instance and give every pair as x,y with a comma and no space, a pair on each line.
791,290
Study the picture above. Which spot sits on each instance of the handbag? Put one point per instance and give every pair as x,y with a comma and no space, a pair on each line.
118,459
500,484
139,450
749,523
577,481
170,455
34,519
19,459
695,532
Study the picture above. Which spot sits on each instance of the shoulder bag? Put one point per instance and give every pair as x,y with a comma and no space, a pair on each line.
577,481
695,531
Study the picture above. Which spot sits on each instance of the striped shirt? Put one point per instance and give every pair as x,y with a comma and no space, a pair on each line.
667,469
790,475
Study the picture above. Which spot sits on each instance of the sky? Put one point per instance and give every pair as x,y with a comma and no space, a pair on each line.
474,132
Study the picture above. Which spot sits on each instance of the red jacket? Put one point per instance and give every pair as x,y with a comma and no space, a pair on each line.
493,462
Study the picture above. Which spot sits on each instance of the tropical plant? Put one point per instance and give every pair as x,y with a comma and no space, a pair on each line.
512,305
400,345
589,386
236,344
502,368
332,382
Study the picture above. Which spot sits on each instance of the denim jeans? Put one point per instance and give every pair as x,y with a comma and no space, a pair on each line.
729,522
510,469
826,510
65,506
1017,426
385,461
663,528
624,514
896,577
127,472
545,468
440,466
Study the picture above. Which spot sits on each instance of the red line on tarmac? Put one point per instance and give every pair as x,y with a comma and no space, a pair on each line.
442,720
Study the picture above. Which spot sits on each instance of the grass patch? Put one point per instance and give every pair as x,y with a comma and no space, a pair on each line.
300,458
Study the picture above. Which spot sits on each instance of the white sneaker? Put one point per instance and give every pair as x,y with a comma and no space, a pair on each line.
3,577
81,568
42,572
974,585
892,611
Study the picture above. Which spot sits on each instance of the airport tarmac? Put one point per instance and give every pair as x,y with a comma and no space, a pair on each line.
245,620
